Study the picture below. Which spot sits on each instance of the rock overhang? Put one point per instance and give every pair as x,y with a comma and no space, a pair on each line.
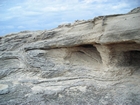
111,35
95,58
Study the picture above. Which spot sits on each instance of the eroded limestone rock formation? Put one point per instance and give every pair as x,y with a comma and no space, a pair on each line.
94,62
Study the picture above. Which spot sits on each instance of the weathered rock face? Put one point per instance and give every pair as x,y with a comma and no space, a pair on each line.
93,62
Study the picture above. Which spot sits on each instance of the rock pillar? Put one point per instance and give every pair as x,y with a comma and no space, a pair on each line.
114,62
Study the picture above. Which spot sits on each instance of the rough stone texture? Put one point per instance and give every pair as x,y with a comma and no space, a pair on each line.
3,89
93,62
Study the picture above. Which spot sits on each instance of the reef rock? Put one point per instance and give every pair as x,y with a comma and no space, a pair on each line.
93,62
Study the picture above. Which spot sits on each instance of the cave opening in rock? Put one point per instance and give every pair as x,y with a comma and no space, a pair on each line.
135,58
132,58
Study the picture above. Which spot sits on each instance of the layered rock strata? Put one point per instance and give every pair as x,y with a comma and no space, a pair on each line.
87,62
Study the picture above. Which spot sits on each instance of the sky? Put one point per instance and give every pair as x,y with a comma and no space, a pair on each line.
20,15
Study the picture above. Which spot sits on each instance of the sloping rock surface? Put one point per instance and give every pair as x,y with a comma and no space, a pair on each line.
93,62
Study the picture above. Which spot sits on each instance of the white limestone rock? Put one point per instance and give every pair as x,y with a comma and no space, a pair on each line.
83,63
4,89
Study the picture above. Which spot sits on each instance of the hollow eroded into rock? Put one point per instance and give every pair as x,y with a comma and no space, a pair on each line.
84,55
132,58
